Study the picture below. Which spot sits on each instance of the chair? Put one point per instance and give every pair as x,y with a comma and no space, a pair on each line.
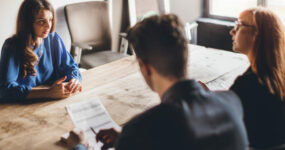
89,27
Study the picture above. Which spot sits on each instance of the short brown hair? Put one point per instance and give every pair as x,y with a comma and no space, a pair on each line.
161,42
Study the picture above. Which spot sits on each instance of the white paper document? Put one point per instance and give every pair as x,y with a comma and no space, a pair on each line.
91,113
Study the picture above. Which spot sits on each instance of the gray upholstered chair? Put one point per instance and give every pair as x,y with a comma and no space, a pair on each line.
90,30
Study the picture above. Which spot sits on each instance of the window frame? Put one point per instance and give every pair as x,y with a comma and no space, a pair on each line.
206,11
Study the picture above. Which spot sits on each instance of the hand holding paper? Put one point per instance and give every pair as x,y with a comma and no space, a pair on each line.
91,114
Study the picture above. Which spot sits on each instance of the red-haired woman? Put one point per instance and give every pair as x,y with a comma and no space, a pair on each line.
259,34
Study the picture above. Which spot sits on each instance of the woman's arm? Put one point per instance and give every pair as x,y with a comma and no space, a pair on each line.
10,89
66,65
57,91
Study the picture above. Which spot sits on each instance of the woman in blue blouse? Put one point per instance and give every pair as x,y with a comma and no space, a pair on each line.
36,56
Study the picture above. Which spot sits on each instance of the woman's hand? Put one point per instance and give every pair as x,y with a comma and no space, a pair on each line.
58,89
108,137
73,86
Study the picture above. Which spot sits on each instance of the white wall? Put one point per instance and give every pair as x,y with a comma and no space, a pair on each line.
8,15
187,10
9,10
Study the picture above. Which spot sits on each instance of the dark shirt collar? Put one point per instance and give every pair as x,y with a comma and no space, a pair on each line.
180,90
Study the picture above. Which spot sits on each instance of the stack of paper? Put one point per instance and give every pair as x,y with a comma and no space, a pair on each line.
91,113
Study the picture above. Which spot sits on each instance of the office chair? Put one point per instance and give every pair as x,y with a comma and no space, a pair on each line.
90,30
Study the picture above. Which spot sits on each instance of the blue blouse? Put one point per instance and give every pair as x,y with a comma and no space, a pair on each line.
54,63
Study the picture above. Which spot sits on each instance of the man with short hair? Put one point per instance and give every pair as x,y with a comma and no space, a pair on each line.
188,117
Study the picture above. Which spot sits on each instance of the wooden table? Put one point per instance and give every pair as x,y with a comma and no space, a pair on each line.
122,90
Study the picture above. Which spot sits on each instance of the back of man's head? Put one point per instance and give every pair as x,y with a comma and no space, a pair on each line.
160,41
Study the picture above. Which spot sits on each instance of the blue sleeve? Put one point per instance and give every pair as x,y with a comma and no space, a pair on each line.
79,147
10,89
65,64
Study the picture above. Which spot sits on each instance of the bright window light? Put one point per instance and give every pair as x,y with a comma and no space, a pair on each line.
230,8
278,6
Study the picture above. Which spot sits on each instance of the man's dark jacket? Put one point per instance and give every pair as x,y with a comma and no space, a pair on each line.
189,118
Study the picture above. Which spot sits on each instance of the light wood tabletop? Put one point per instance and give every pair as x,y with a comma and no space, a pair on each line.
120,87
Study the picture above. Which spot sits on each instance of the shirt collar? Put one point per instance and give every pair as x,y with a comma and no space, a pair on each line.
181,89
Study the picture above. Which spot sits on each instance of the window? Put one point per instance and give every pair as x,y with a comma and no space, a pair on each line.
230,9
140,9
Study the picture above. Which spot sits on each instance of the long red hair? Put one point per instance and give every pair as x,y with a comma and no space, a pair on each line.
268,55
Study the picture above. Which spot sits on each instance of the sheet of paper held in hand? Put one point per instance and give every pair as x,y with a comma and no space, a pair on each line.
91,113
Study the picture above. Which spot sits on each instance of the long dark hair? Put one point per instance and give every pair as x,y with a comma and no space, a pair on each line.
25,32
268,55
